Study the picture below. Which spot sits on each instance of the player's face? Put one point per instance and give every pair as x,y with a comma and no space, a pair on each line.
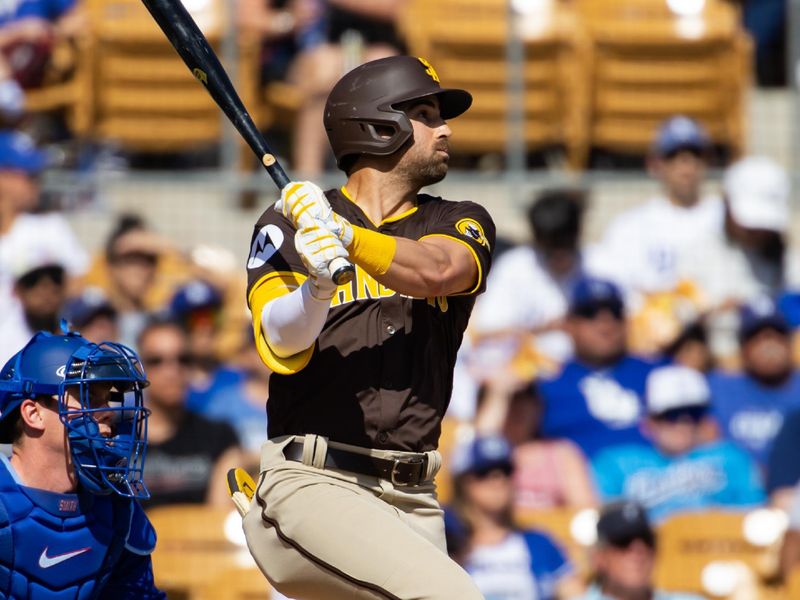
426,160
99,395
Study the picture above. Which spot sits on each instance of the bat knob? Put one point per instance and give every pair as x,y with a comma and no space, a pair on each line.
344,273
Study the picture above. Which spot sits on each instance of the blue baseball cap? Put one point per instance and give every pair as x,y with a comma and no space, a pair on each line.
680,133
92,302
481,455
761,313
195,295
18,152
590,292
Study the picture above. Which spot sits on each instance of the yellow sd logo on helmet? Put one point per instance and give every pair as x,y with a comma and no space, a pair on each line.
429,69
472,229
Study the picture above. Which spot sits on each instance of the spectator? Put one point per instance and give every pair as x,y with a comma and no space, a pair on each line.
504,561
596,399
529,286
624,557
26,237
644,249
783,468
28,32
352,32
691,348
40,289
750,406
132,256
197,306
748,257
790,549
188,455
682,471
547,472
91,313
237,394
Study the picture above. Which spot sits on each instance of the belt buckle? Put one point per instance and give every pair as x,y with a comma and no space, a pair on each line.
396,472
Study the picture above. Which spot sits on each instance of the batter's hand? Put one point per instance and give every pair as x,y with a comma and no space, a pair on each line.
302,202
340,227
317,248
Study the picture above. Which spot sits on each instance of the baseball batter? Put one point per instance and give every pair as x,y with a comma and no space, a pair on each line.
345,505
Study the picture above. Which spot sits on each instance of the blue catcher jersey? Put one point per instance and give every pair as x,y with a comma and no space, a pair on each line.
72,546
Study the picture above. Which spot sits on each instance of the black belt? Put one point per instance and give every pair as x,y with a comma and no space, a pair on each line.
400,471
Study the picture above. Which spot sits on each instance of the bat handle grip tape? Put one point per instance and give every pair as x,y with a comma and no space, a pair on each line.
343,270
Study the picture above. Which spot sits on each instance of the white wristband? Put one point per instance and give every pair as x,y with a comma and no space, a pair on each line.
292,323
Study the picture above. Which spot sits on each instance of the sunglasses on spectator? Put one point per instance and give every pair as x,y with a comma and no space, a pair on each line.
129,258
695,414
184,359
30,280
623,543
592,311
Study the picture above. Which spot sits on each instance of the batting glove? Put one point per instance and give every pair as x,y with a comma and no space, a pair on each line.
317,247
302,202
340,227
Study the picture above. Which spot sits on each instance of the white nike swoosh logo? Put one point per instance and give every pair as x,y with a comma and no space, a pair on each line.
46,562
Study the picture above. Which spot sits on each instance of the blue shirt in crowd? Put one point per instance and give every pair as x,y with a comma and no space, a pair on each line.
49,10
524,566
596,408
749,413
716,474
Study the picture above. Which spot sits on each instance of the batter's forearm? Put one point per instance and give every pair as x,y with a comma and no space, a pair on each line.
425,270
291,323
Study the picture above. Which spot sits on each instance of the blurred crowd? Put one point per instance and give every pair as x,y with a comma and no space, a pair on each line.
649,373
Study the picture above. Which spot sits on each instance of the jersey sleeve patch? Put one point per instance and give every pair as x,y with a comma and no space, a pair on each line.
265,243
472,229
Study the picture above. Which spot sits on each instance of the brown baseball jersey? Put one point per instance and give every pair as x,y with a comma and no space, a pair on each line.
380,374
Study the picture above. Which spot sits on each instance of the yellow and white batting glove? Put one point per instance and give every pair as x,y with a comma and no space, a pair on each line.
340,227
302,202
317,248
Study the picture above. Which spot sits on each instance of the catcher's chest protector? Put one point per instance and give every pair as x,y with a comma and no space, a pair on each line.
58,546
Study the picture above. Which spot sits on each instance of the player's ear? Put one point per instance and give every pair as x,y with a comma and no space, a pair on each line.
30,411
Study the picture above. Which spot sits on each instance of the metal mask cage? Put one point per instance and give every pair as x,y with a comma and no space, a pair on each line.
115,462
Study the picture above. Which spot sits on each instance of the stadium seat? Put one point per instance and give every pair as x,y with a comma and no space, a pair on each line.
649,63
572,528
195,545
145,97
71,89
703,552
466,40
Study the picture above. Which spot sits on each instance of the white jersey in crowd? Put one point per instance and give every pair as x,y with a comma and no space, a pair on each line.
642,248
502,571
33,240
522,295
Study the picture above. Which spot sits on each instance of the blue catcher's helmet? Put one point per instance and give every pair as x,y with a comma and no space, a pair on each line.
69,366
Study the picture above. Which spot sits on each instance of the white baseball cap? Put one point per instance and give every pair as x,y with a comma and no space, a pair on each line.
758,191
675,386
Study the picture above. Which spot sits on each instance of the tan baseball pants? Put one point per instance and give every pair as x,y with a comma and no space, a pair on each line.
324,534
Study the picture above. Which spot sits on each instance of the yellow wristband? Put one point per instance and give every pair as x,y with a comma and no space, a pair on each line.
372,251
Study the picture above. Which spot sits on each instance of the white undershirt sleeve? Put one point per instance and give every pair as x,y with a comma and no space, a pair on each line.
292,323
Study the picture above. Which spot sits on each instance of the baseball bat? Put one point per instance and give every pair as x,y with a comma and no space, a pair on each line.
193,47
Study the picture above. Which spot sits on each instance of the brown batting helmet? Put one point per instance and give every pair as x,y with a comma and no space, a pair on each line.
366,98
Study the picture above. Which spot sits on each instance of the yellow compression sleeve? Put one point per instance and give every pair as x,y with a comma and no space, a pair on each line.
372,251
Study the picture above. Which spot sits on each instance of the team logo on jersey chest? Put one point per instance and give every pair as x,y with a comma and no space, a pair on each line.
472,229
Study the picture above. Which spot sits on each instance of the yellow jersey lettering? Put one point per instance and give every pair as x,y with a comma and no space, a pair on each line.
366,287
440,301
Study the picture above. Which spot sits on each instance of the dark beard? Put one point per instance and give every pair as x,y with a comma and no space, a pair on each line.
42,322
